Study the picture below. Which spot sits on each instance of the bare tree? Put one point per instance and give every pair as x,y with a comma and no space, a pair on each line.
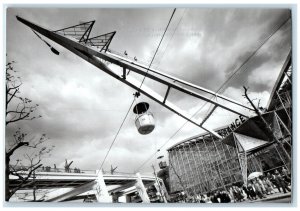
266,125
24,168
19,108
180,180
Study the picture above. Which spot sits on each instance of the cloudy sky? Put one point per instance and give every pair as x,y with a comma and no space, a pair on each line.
82,107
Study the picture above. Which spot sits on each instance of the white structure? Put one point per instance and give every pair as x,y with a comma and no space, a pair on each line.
74,186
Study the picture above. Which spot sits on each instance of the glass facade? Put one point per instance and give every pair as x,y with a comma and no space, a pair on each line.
203,164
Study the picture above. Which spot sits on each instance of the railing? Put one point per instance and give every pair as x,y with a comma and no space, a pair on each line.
74,170
63,170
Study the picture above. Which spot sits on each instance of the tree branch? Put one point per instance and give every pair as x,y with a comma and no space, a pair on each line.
20,144
12,96
267,126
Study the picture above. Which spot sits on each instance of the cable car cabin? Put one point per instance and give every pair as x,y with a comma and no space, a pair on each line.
144,120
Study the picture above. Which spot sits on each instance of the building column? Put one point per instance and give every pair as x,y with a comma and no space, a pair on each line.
141,189
204,167
100,188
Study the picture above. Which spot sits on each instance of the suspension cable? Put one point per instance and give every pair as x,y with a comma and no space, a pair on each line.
137,94
112,143
220,88
163,54
157,48
251,55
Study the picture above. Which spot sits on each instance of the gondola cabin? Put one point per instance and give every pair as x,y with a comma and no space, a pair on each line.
144,120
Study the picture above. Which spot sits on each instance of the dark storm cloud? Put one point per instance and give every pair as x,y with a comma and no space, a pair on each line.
272,55
228,37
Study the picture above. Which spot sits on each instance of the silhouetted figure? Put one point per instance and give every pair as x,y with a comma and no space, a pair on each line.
202,199
67,166
224,197
263,188
258,189
286,175
214,198
112,170
246,190
251,190
269,185
281,183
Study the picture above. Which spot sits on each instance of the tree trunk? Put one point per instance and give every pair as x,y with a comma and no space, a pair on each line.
34,187
7,192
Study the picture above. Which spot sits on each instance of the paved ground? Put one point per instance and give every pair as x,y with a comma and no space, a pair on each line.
276,197
283,200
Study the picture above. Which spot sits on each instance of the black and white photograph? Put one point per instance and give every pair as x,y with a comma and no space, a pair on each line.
160,104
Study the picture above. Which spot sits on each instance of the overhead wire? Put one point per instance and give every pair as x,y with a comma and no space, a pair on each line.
196,111
50,46
252,55
133,99
137,94
115,138
130,104
220,88
166,29
163,54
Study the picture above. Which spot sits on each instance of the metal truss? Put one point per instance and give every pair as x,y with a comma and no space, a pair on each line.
82,32
87,48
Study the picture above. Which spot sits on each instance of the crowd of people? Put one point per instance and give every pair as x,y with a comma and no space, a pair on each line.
256,188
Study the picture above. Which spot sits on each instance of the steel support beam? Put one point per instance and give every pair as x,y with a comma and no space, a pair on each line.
73,192
93,56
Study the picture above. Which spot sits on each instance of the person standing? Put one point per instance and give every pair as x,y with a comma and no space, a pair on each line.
281,182
275,181
286,175
258,189
202,199
269,186
251,190
263,188
246,190
237,192
214,198
208,198
224,197
231,194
